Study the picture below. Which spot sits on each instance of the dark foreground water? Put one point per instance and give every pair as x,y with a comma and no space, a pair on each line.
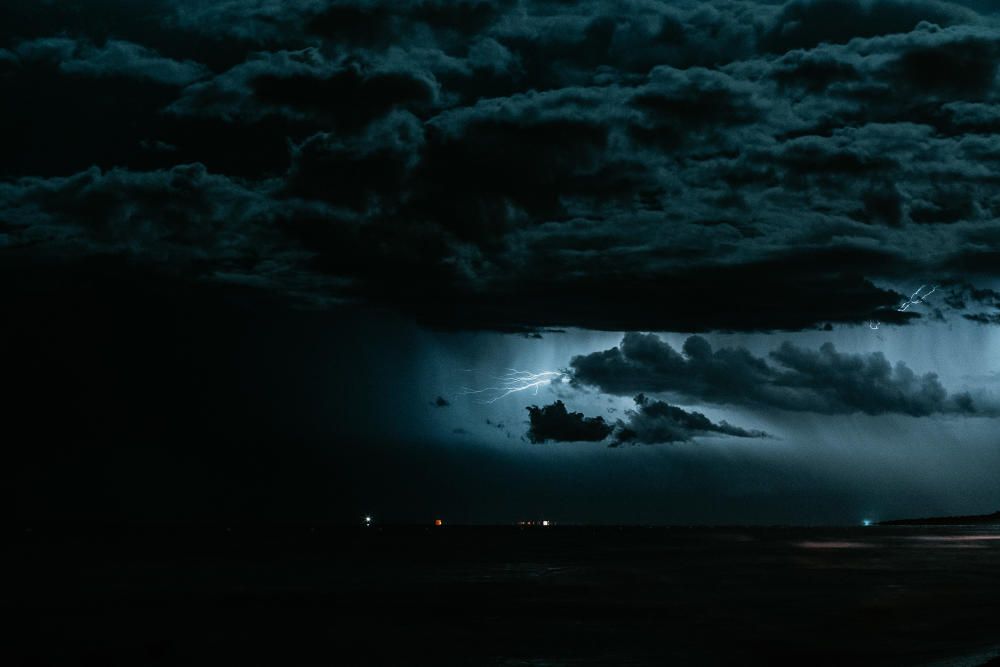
503,596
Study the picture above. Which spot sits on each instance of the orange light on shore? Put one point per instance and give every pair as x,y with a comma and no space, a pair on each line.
438,522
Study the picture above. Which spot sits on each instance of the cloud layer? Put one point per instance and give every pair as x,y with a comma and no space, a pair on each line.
651,422
508,164
792,378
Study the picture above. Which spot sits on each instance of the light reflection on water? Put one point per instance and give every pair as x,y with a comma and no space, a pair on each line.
971,540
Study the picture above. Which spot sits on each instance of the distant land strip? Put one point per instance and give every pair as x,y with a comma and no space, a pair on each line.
977,519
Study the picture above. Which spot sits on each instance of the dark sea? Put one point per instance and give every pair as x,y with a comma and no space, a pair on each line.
503,596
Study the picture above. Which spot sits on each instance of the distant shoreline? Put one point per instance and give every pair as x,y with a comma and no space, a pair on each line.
976,519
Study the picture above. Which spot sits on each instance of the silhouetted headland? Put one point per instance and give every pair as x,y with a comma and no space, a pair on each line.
973,520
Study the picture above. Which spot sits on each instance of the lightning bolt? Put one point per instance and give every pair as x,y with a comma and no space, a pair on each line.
920,296
512,382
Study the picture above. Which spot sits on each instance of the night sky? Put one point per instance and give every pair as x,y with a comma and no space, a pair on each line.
276,260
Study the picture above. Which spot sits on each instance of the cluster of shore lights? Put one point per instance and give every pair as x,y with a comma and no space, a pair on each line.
368,522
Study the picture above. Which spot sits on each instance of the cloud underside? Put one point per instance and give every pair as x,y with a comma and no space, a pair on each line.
651,422
555,422
514,165
791,378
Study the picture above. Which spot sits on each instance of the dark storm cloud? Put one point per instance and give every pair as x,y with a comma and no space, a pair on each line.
307,86
983,318
555,422
959,295
651,422
683,166
113,58
184,209
181,219
791,378
803,24
363,172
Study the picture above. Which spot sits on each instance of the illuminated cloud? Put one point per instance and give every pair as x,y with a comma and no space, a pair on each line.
791,378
